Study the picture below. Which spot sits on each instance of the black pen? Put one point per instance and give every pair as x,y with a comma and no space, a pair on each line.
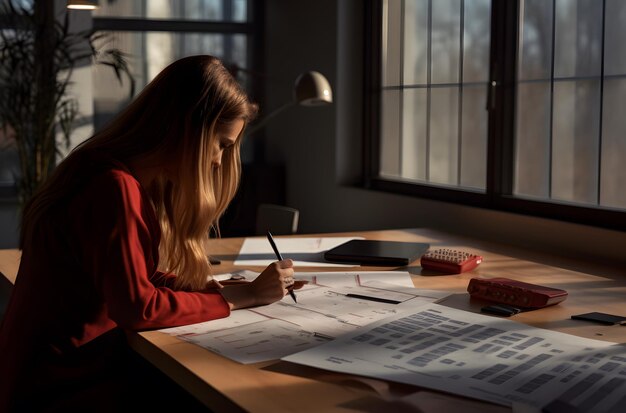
377,299
280,258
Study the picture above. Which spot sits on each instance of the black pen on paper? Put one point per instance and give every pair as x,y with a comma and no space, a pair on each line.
280,258
377,299
320,335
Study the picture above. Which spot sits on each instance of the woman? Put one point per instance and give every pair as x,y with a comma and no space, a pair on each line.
115,240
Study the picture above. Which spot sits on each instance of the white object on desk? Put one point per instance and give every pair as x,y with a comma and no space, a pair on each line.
305,252
354,278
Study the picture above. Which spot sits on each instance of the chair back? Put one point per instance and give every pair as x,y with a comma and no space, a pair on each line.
278,219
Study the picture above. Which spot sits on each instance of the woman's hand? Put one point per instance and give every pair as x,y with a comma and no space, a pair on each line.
270,286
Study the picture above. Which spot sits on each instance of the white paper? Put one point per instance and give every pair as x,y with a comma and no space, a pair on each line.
277,330
246,274
338,279
483,357
305,252
251,343
236,318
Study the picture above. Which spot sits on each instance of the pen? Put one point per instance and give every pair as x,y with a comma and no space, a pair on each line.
320,335
377,299
280,258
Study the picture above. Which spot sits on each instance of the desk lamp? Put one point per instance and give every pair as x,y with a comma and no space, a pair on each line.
82,4
310,89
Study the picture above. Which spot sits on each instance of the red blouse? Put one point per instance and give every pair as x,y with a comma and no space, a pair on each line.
91,268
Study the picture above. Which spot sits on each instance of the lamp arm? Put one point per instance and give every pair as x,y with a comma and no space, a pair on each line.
255,127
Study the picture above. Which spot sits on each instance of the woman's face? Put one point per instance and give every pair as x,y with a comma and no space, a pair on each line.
226,135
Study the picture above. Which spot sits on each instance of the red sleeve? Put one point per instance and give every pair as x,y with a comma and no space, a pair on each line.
121,251
161,279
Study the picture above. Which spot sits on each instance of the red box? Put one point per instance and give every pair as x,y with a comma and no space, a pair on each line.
515,293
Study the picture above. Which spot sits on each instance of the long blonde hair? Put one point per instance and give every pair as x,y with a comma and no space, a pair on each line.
176,115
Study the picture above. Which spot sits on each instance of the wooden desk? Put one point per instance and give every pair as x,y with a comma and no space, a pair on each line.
225,385
9,263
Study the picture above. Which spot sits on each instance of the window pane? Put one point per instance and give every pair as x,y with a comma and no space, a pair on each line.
27,4
445,41
532,145
391,43
415,42
149,53
9,161
613,173
213,10
578,37
474,137
444,136
414,134
575,140
535,37
615,33
390,133
9,158
613,156
476,39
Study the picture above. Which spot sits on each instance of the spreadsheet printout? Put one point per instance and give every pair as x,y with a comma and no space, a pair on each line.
479,356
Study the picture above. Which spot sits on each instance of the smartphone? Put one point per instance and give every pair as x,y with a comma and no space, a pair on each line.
602,318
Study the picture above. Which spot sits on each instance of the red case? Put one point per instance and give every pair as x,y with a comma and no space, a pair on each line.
515,293
450,261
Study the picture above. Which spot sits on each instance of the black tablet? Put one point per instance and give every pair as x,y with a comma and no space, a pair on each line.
376,253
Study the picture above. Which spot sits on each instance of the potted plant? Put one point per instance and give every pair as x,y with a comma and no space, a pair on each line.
38,53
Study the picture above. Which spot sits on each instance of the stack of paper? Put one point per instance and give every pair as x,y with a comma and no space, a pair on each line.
331,305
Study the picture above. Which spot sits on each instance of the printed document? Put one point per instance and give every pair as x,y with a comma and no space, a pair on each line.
482,357
344,303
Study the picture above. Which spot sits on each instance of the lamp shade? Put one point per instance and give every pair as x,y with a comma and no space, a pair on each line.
82,4
312,89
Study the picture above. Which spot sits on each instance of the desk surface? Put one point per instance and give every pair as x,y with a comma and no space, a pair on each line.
225,385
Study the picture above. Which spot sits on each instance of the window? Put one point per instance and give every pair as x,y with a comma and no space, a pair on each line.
9,157
155,33
152,33
510,105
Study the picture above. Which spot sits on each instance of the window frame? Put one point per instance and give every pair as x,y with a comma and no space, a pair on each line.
252,28
498,193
